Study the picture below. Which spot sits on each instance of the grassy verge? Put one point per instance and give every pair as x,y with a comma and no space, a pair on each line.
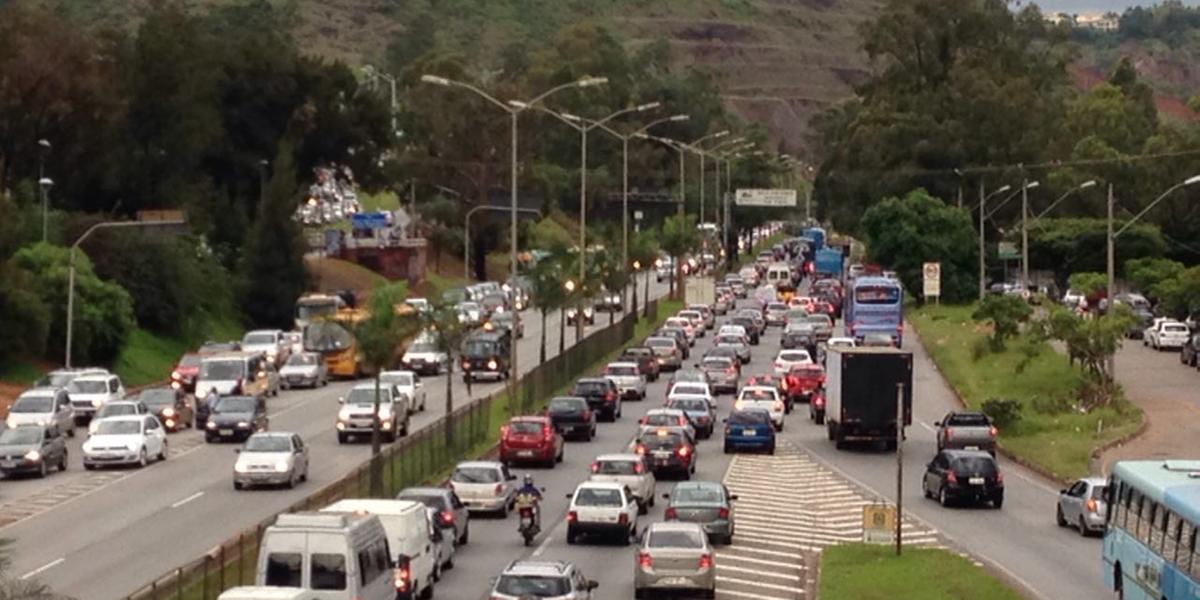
868,572
1059,441
149,357
19,370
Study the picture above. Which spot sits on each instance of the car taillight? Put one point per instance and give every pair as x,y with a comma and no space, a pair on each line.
610,396
706,561
723,513
499,488
595,467
644,560
623,519
1092,505
951,477
670,513
504,431
176,375
639,468
572,516
819,400
447,517
999,478
684,451
402,576
547,432
640,449
949,433
778,406
993,431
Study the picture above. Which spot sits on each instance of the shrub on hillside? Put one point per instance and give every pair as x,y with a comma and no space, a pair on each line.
1004,412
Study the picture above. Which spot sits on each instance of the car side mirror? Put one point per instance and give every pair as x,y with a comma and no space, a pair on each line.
237,450
511,478
937,423
592,584
569,495
341,400
666,496
1062,491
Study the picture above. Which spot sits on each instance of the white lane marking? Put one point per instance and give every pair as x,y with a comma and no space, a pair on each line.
188,499
757,596
928,427
760,573
752,583
49,565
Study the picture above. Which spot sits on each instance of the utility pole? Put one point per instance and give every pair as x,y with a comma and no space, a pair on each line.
982,267
899,466
1025,236
1112,278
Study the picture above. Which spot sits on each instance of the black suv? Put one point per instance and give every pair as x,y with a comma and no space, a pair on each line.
970,475
601,395
486,355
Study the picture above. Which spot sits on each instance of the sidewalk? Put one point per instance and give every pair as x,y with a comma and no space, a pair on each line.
1169,393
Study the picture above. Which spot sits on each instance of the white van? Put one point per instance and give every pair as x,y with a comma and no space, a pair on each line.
247,592
779,274
407,528
229,373
334,556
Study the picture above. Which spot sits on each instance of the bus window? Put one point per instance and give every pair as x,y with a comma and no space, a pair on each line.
1126,503
1158,525
1171,538
877,294
1194,568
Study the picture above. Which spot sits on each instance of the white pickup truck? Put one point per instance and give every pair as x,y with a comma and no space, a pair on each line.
1165,334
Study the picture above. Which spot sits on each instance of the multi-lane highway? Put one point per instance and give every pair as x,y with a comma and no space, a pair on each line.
103,534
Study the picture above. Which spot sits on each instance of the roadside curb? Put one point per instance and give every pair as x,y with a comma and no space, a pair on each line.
1040,470
1094,461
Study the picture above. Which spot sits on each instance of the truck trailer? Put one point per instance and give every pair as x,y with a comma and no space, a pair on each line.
861,394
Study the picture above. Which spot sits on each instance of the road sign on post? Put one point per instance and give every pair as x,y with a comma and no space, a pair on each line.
774,197
932,273
879,524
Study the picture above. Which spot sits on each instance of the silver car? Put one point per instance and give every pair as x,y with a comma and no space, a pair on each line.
45,406
706,503
674,556
630,382
822,326
1083,505
543,579
272,342
271,458
485,486
667,351
304,369
451,512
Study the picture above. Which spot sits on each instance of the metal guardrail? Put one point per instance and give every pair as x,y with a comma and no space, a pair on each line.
412,460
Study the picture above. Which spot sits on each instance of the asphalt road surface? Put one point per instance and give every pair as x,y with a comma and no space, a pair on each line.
103,534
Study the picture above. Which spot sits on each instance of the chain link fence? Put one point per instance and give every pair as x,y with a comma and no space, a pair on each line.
423,456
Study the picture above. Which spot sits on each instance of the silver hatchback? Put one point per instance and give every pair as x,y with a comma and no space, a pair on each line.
674,556
1083,506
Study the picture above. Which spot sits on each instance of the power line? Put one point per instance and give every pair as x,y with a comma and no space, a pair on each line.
982,170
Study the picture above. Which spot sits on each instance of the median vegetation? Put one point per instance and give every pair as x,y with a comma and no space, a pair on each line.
1039,399
869,572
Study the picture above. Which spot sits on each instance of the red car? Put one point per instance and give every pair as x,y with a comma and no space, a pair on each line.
803,381
183,376
530,439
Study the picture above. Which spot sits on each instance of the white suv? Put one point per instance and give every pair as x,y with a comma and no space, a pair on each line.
629,470
766,398
1166,334
89,392
601,508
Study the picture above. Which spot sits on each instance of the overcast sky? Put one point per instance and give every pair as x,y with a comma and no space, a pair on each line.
1089,6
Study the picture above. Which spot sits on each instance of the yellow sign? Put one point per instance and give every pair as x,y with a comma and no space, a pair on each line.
879,524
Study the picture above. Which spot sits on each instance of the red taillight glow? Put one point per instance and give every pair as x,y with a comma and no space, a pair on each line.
670,513
706,561
723,513
499,488
644,560
595,467
685,451
447,517
1092,505
639,468
993,432
403,578
504,431
999,478
572,516
623,519
640,449
951,477
548,432
949,433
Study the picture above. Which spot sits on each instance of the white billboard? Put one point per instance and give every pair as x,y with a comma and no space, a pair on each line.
775,197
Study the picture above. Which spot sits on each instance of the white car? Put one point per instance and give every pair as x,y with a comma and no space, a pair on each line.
1072,298
1166,334
127,440
696,318
733,330
424,357
840,342
354,418
629,470
409,385
658,418
89,392
45,407
119,408
272,342
602,508
692,388
685,325
271,458
766,398
790,358
304,369
485,486
630,382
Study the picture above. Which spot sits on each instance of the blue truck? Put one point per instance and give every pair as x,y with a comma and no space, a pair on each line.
817,235
829,262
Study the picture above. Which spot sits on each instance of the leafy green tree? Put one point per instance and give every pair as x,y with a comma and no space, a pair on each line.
904,233
1071,244
272,274
1147,273
643,251
1091,342
679,237
548,294
1179,296
1006,313
1088,283
448,333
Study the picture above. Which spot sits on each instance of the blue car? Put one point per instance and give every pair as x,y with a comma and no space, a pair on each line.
749,429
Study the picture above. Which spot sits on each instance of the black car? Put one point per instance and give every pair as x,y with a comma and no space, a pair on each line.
964,475
236,418
170,405
1142,320
32,449
610,302
801,339
572,417
750,325
487,354
646,360
601,395
1190,354
668,451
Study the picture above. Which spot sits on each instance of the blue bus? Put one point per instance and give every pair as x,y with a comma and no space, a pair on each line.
1151,546
875,305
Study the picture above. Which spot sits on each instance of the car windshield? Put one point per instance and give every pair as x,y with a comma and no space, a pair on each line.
689,404
660,439
567,405
697,495
479,348
189,360
525,427
615,467
661,419
622,371
820,320
1098,492
590,387
729,339
660,343
88,387
20,436
674,539
268,443
32,404
234,404
254,339
689,388
637,352
716,364
776,306
119,428
757,394
975,464
157,397
301,359
434,501
749,417
117,409
222,370
597,497
968,420
56,379
533,586
808,371
475,475
422,347
365,396
794,356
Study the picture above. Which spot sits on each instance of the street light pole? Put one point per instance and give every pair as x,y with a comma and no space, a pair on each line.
696,144
71,271
467,232
45,184
983,214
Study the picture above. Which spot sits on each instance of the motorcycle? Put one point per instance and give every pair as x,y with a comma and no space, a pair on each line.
530,524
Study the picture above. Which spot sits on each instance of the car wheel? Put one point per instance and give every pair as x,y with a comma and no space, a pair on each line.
43,470
62,463
561,452
771,449
89,467
341,438
571,537
465,537
71,431
1082,526
639,594
728,449
162,454
652,499
1058,516
643,508
997,501
237,485
925,490
142,461
943,497
291,482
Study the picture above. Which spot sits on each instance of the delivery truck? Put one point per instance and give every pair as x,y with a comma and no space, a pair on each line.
861,394
829,263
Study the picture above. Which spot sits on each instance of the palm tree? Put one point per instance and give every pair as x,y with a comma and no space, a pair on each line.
378,336
548,293
448,333
679,237
643,249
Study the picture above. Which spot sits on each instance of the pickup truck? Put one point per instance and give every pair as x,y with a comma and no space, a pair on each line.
627,376
1166,334
966,430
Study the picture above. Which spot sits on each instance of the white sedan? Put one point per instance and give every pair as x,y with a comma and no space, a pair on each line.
409,384
766,398
791,358
629,470
125,440
602,508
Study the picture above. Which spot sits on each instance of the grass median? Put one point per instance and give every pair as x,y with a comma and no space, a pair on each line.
870,572
1058,439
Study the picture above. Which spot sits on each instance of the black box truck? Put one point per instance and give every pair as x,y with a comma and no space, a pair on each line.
860,394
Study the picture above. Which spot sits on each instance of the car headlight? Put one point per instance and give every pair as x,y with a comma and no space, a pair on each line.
240,468
385,424
9,421
200,394
282,466
492,365
341,425
168,412
33,456
243,424
92,427
211,424
132,447
97,402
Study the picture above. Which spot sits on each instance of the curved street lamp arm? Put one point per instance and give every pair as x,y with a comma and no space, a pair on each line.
1143,212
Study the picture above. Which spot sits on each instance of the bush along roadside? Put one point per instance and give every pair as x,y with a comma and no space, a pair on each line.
1044,406
425,457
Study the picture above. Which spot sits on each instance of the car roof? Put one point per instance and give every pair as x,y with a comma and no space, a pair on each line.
687,396
969,454
426,491
694,484
754,388
674,526
664,411
40,392
528,419
603,485
487,464
603,380
539,567
137,418
619,456
621,363
370,385
574,398
283,434
93,377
